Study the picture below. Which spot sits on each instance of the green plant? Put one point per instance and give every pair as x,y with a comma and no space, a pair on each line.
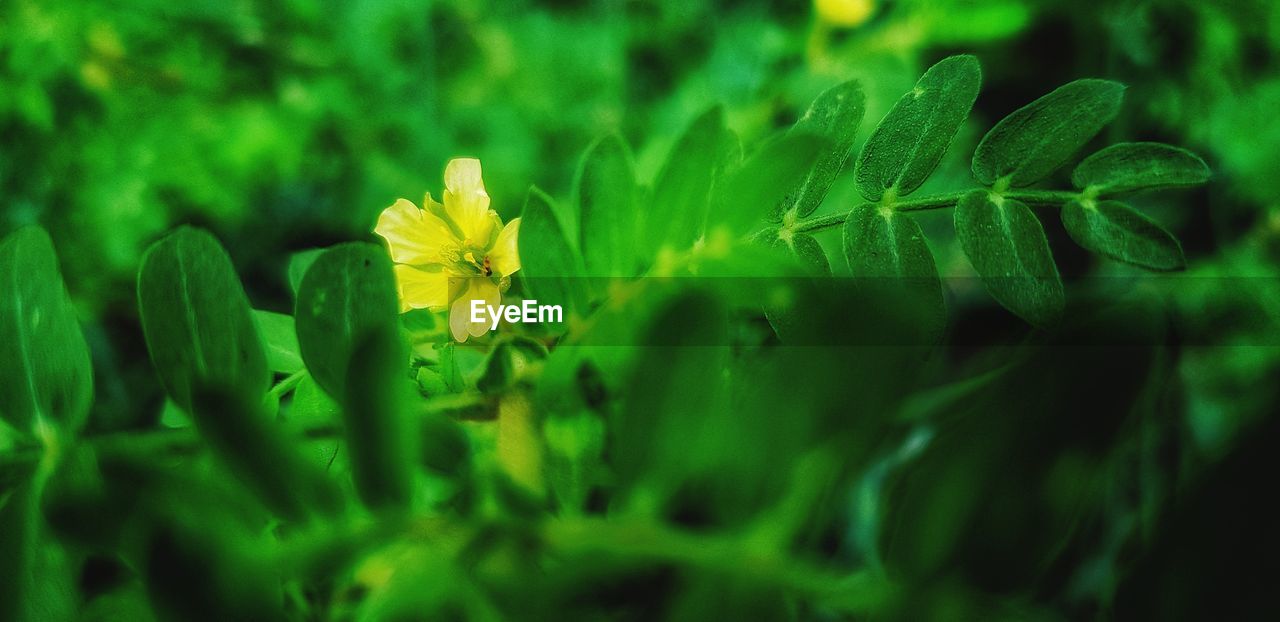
388,472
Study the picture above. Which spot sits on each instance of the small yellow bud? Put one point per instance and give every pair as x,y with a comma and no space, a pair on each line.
844,13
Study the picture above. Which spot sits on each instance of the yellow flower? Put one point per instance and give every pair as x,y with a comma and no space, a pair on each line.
448,255
844,13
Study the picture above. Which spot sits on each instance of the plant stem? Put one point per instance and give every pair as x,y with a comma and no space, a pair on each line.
858,591
288,384
937,201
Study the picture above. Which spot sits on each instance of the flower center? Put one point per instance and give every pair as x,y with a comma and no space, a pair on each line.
473,261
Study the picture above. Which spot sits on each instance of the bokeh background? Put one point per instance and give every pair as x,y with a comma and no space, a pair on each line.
283,126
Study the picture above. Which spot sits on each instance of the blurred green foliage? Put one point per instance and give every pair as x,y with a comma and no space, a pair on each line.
674,451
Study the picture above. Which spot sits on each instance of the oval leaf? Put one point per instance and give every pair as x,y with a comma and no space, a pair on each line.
1127,167
196,318
834,115
377,431
1115,230
1006,245
44,362
253,446
1030,143
888,251
910,140
549,268
348,293
810,253
605,191
281,340
752,190
682,191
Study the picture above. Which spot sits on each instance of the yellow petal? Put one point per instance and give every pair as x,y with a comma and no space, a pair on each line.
435,207
420,289
460,323
415,236
466,201
504,257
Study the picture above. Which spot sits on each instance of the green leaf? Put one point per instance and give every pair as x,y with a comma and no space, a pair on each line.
907,145
44,362
1115,230
36,581
244,436
755,188
298,264
1126,167
1030,143
197,321
1006,245
549,267
311,403
377,430
199,569
507,362
678,208
348,293
605,192
663,428
810,253
888,251
281,339
834,115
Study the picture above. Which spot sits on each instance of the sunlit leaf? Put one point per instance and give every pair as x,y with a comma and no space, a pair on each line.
911,139
281,340
834,115
1007,247
677,210
606,196
1034,140
549,266
747,194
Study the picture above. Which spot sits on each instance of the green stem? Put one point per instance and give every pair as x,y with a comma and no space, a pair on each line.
288,384
937,201
858,591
